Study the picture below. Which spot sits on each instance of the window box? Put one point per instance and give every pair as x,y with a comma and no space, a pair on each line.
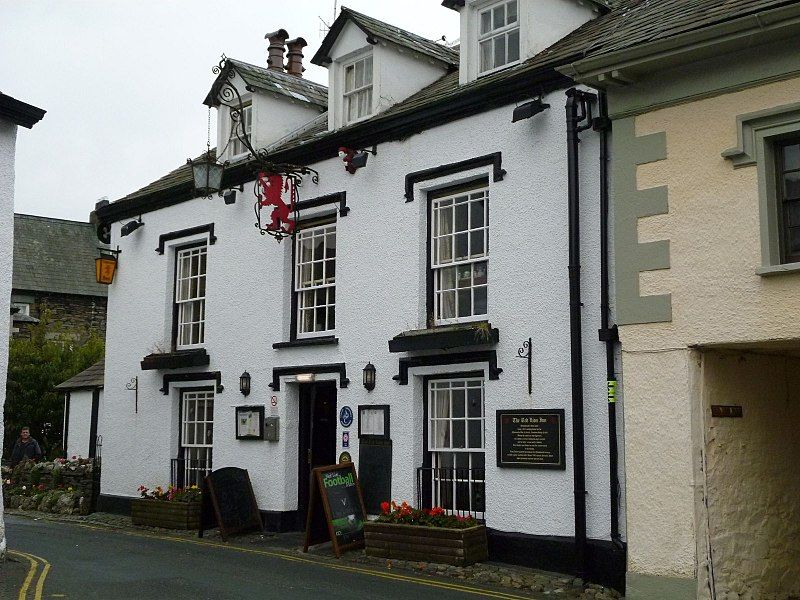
323,340
459,547
176,360
168,515
447,336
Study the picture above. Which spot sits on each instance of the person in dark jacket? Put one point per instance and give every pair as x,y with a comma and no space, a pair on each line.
25,448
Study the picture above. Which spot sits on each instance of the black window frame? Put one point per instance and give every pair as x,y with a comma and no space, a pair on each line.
782,203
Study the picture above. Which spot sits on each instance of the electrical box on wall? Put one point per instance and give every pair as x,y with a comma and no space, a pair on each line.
271,429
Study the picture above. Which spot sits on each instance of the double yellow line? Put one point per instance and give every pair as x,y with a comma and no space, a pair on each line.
36,562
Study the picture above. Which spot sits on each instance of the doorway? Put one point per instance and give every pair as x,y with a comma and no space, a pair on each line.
317,435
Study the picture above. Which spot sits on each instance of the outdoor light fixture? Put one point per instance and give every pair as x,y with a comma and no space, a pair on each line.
106,265
355,159
207,173
244,383
304,377
229,197
529,109
130,227
369,377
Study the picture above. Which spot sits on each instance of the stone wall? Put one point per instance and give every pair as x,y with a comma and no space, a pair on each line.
66,487
79,315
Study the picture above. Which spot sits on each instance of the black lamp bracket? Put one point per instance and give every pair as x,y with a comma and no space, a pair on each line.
116,252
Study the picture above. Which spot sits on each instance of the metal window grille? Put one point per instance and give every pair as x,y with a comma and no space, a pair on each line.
190,296
197,438
459,256
358,89
499,36
456,480
315,280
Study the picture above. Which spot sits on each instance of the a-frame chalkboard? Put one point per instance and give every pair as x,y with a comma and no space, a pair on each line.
228,501
335,509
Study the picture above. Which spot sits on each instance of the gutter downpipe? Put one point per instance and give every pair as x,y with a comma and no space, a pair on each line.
609,335
578,109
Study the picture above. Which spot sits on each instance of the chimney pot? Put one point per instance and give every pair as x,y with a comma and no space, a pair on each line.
294,64
277,46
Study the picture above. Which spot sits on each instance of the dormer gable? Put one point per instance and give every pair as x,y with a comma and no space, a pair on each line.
496,34
373,65
275,104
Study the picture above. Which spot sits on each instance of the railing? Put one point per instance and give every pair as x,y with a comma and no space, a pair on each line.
185,472
460,492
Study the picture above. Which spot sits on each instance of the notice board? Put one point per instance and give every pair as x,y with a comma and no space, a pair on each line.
228,502
335,500
375,472
531,439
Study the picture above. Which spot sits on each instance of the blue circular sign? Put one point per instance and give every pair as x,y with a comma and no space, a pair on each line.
346,416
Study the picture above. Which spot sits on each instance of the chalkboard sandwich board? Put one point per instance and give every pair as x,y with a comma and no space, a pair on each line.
336,509
531,438
228,502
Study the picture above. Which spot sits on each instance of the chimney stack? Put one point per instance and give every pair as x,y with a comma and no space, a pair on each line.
277,46
294,64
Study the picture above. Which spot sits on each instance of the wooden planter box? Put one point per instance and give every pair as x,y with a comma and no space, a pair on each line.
169,515
459,547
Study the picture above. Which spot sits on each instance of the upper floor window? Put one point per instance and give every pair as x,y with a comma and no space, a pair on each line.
459,255
190,296
498,35
235,144
358,89
788,194
315,280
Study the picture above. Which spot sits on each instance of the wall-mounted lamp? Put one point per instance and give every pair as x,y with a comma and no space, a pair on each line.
529,109
355,159
229,197
369,377
244,383
106,265
130,227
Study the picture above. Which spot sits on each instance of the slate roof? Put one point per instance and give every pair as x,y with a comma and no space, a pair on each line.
629,23
278,82
90,378
19,112
54,255
385,31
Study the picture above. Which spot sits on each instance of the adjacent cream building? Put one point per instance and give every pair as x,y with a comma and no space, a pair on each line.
706,182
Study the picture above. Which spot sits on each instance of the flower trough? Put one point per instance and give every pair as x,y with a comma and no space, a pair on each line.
175,508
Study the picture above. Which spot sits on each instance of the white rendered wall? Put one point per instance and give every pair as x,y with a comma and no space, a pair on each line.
380,293
80,423
8,134
397,72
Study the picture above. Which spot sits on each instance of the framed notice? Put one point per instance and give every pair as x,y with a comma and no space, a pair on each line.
531,439
249,422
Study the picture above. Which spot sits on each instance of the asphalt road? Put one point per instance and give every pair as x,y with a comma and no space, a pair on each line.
87,563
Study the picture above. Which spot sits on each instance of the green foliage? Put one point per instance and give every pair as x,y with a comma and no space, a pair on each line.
35,366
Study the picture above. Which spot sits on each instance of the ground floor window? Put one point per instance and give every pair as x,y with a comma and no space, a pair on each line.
196,437
456,478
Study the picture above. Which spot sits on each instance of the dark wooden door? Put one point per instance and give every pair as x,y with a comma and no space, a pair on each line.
317,435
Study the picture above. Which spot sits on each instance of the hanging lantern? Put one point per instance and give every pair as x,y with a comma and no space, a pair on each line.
104,268
207,174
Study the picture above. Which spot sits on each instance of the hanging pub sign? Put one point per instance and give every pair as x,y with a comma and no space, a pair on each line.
531,438
278,192
335,509
228,502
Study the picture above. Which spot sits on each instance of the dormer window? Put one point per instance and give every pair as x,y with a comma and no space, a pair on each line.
498,36
235,144
358,89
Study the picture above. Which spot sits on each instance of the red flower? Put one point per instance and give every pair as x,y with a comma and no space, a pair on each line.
385,506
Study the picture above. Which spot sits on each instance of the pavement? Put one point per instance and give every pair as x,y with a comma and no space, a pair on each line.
77,560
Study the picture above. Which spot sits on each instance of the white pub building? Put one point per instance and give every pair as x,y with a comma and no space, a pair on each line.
432,311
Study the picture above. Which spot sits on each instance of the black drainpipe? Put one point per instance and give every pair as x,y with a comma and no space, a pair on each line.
608,334
578,110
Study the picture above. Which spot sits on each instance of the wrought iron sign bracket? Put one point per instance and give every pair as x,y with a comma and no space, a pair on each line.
526,352
133,386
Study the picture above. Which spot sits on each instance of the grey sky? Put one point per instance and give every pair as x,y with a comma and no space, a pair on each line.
123,82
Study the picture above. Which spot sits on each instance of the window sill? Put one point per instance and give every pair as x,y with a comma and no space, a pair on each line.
176,360
773,270
325,340
444,337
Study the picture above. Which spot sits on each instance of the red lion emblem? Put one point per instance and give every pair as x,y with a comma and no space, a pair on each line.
272,188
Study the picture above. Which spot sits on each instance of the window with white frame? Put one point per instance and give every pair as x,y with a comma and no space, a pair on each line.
244,124
498,35
456,442
358,89
459,255
197,434
315,280
190,296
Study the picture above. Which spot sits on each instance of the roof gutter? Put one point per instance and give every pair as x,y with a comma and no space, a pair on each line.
610,69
